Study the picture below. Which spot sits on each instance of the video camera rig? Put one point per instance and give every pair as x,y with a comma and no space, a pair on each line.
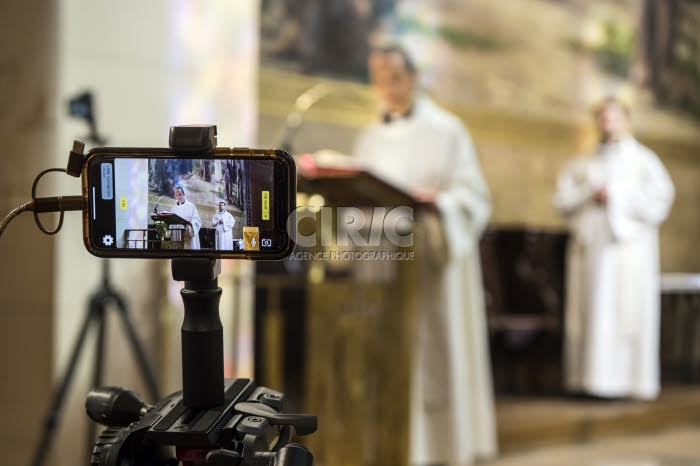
212,421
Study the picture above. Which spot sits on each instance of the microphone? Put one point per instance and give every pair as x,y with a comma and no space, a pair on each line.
155,208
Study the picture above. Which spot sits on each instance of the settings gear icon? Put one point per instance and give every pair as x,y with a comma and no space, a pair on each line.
107,240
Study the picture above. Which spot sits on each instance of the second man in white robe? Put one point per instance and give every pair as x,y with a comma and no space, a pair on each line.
223,222
614,202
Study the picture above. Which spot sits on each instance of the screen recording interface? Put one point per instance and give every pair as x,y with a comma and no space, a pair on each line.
197,204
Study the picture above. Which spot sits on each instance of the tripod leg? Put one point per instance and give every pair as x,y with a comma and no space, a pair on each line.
53,416
97,306
146,369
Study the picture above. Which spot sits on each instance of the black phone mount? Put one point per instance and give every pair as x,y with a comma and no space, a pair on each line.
212,421
192,138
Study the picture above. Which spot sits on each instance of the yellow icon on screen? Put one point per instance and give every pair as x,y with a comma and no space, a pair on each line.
122,203
251,239
266,205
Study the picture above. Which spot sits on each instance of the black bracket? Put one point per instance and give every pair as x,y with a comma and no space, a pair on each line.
192,138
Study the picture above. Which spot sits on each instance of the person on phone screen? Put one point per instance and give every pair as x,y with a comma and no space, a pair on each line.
223,222
614,201
188,212
425,150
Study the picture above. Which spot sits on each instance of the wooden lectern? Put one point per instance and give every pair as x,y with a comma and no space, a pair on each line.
336,334
175,238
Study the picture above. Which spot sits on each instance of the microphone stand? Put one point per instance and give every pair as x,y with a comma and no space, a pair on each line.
295,118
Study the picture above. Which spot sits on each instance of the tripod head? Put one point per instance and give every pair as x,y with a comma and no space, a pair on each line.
248,429
212,421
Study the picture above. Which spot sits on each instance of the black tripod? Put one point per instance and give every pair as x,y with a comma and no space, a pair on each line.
99,303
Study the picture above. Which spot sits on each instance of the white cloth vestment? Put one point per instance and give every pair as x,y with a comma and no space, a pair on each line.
452,411
612,310
224,222
188,211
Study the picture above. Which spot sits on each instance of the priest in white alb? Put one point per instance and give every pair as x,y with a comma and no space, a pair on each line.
188,212
223,222
425,150
614,201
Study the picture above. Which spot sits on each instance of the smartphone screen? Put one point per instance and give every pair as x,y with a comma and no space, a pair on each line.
162,205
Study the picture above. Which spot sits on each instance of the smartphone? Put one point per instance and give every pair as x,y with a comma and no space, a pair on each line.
151,202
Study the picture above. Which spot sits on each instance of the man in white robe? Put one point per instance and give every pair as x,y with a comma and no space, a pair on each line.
188,212
427,151
614,202
223,222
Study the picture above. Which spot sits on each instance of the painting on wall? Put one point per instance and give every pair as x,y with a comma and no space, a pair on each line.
532,56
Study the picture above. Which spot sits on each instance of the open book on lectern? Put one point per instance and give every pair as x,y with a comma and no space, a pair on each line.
343,182
168,218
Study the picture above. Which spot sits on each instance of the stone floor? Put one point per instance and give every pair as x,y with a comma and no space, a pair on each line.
527,423
675,447
582,432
